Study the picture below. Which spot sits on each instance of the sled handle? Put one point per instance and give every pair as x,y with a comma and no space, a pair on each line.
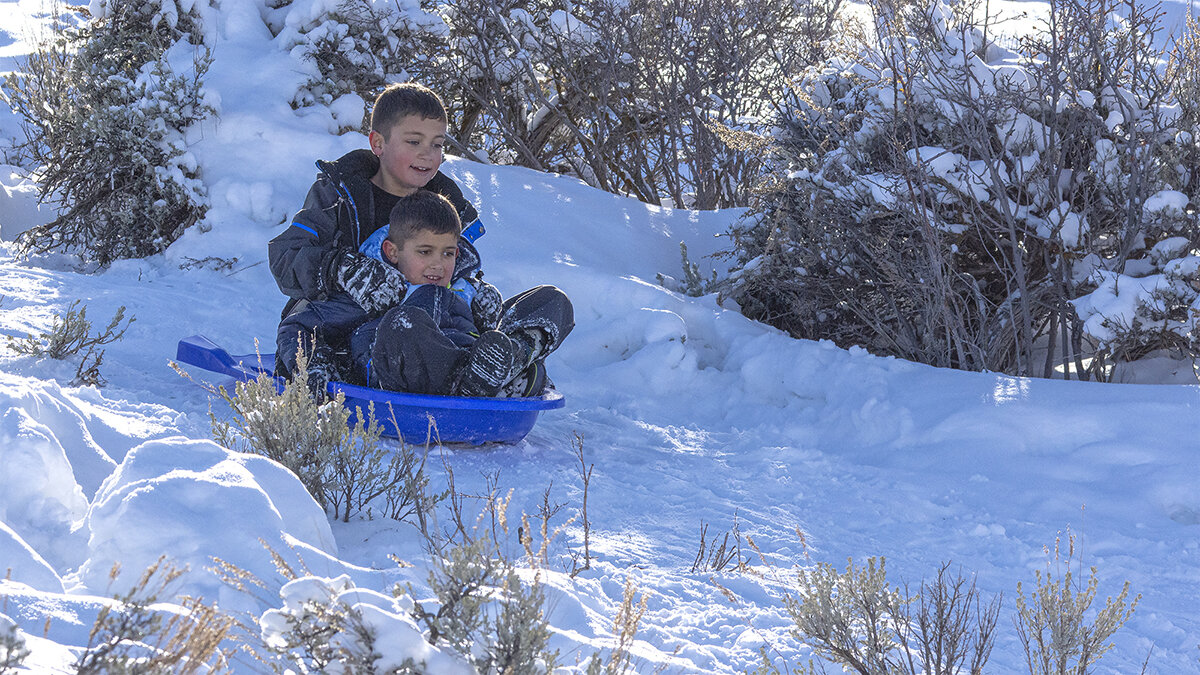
201,352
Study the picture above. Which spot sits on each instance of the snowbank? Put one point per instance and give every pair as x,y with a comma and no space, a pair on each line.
195,502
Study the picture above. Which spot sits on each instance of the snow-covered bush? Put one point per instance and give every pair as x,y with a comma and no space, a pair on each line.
13,651
329,625
483,609
1183,72
105,104
633,97
354,47
942,199
483,618
645,98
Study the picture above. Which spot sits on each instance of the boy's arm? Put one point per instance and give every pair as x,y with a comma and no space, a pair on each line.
302,256
308,262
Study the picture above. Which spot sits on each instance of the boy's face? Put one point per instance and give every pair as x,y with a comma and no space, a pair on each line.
410,155
426,258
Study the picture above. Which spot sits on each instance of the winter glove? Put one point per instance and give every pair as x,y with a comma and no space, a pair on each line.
322,368
486,305
374,285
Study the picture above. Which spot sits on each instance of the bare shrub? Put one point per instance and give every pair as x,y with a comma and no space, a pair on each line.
625,628
286,426
70,333
714,557
134,634
856,619
104,113
344,465
1183,72
585,477
1052,621
638,98
365,470
946,626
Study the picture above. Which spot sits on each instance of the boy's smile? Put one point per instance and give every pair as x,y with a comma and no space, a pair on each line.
426,258
410,154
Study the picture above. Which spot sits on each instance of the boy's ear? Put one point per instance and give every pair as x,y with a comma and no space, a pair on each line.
377,141
390,251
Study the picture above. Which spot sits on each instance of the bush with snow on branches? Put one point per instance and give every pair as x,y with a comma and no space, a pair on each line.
942,199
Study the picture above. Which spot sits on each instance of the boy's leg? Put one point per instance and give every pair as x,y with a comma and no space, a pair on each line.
410,354
328,321
431,299
441,303
540,319
295,333
362,341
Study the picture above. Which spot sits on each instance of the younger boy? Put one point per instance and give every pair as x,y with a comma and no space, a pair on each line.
432,343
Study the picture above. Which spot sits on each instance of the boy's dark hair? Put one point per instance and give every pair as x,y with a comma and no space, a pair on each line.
401,100
422,211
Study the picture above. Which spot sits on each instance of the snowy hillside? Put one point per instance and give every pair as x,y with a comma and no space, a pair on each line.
690,413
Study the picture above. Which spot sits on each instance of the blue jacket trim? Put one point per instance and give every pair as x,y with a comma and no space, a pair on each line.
344,189
306,229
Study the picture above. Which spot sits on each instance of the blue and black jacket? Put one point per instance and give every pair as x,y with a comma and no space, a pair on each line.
339,213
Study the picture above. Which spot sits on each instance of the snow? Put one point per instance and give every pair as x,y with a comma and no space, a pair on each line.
1166,200
689,412
194,500
397,635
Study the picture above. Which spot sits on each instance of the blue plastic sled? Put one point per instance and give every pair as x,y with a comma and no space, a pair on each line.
458,419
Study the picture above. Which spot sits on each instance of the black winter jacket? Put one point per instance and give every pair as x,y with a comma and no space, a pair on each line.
338,213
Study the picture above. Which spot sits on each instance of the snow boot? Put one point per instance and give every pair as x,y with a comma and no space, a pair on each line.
494,360
529,382
536,342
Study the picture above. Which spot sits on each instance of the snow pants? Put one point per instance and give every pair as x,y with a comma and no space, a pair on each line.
405,350
330,321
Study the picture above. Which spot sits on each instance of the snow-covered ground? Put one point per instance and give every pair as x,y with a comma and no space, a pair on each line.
689,412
